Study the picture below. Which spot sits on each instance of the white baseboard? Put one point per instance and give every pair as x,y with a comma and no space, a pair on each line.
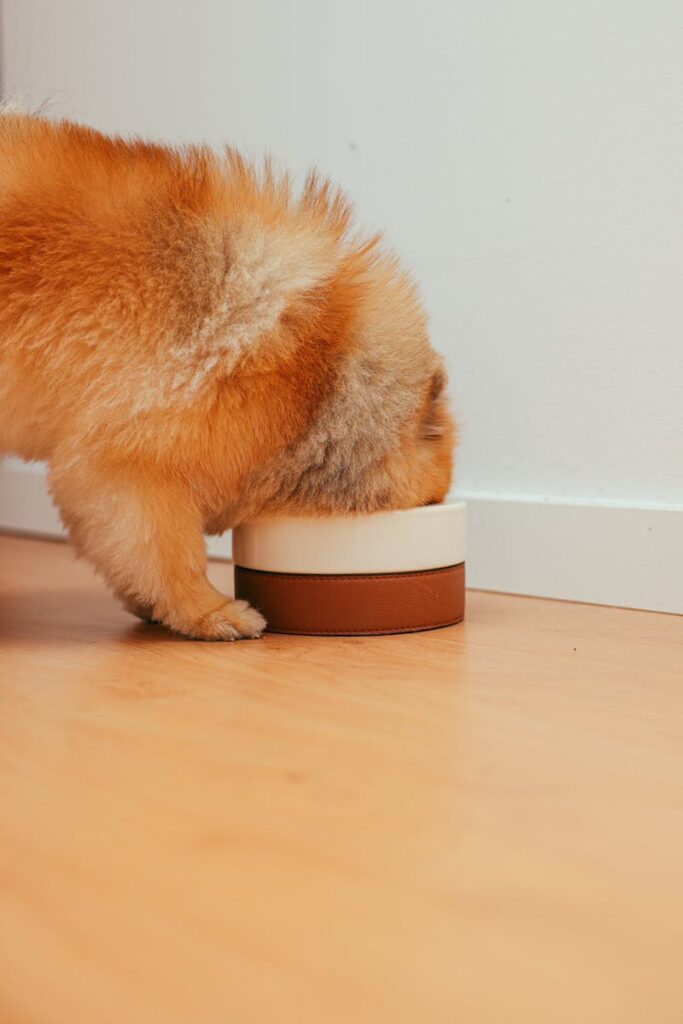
625,555
25,505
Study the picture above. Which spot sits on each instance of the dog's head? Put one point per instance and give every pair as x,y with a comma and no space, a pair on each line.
369,394
396,448
340,385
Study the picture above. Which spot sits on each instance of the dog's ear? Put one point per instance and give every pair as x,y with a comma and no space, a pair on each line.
432,425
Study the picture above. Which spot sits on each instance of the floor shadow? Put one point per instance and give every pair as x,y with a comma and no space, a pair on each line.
72,617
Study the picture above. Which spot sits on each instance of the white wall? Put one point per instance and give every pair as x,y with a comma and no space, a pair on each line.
525,158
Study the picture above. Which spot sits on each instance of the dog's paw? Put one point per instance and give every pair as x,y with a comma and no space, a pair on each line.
234,620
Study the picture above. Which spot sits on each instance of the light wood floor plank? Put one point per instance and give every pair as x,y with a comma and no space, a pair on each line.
481,825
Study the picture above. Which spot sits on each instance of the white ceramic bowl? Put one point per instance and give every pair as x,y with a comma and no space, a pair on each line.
391,572
408,541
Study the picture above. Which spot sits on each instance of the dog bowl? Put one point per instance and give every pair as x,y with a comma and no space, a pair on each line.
389,572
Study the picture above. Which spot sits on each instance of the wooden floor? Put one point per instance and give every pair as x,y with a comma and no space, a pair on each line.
479,825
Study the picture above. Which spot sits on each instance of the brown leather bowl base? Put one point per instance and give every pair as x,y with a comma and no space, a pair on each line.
355,605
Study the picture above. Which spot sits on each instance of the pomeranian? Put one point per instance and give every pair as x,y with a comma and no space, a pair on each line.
188,343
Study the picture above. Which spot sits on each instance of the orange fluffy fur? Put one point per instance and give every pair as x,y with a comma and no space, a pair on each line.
188,344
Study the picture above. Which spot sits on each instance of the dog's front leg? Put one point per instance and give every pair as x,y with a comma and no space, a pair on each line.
144,534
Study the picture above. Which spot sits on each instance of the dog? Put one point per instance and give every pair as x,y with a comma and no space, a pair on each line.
189,342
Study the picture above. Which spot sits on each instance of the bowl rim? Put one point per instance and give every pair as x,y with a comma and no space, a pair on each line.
438,508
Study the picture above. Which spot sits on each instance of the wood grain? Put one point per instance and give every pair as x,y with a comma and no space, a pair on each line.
482,824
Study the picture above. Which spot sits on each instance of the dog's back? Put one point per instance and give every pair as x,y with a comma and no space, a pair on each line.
130,274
